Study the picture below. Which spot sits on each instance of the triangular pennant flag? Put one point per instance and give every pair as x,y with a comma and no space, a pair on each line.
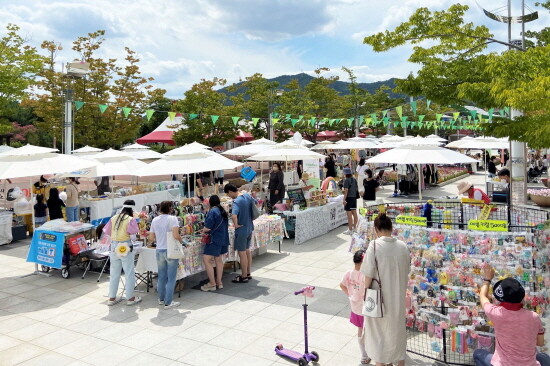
149,114
300,118
507,111
350,121
480,117
192,116
399,111
275,114
275,120
438,116
396,123
369,122
473,113
420,119
214,119
126,111
288,116
102,107
361,120
294,121
469,118
235,120
404,121
312,121
491,111
384,114
78,104
255,121
413,124
386,121
420,124
413,107
428,102
374,117
455,115
331,122
172,115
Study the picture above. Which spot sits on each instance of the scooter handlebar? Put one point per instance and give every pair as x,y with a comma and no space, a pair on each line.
308,289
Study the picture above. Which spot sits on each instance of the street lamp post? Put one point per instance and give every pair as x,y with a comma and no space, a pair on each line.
75,70
270,129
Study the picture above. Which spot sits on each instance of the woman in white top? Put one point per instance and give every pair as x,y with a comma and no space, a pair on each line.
361,173
167,267
387,260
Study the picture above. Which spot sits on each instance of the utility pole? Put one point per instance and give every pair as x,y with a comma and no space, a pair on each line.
68,140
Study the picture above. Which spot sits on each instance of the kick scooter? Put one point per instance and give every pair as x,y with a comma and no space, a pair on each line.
305,358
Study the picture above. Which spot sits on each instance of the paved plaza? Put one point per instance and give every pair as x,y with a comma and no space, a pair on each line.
56,321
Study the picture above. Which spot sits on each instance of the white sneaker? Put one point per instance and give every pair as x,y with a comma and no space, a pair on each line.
161,302
348,232
173,304
136,300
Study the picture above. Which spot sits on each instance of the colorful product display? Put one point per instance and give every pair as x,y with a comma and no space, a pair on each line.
446,273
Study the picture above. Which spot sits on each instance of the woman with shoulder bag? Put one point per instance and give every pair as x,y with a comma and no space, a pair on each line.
122,228
216,227
167,267
387,263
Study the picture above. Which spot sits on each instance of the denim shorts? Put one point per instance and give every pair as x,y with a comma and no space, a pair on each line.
215,250
242,242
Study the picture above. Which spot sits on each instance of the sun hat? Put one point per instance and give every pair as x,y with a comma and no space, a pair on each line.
347,171
305,176
463,187
509,290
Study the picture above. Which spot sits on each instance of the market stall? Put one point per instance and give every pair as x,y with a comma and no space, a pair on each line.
444,319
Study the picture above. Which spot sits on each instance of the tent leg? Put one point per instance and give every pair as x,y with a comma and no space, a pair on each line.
420,182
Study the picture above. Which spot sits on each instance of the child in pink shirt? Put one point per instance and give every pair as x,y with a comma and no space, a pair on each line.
517,331
353,285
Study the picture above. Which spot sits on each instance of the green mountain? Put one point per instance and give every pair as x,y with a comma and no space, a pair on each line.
342,87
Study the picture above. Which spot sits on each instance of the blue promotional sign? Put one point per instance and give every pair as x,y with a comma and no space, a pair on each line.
47,248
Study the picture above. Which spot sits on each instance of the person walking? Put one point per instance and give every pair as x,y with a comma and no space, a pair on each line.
330,166
54,205
370,187
387,261
276,184
216,225
518,331
122,228
241,215
167,267
72,200
351,193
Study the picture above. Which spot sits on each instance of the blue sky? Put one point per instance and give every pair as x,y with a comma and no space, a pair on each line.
183,41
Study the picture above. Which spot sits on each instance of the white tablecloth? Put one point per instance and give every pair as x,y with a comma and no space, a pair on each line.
147,260
104,208
317,221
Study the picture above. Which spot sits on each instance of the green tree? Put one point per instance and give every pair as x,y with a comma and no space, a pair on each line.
204,101
455,69
118,83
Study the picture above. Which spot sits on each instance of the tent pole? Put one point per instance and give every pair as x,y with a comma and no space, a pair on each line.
420,182
188,187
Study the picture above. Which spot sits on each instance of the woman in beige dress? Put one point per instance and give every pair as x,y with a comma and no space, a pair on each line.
386,337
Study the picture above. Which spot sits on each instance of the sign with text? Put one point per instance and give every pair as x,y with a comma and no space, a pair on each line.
47,248
488,225
311,167
297,197
411,220
485,212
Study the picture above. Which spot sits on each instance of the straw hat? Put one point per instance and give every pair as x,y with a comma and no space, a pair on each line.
305,176
463,187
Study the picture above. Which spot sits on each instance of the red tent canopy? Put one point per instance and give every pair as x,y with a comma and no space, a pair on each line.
164,132
328,135
244,136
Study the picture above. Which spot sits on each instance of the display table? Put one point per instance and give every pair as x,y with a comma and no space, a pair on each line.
317,221
104,208
5,227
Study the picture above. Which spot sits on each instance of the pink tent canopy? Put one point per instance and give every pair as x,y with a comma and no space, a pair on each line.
244,136
164,132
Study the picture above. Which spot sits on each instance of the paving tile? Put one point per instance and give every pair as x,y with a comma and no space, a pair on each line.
234,339
243,359
144,339
20,353
228,318
48,358
112,355
174,347
203,332
8,342
148,359
208,355
56,339
33,331
15,323
83,347
258,325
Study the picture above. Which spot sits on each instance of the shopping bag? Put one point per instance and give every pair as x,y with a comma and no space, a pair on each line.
77,244
255,211
174,247
372,307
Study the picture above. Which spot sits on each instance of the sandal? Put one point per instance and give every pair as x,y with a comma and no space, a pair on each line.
220,286
207,288
249,276
365,360
240,279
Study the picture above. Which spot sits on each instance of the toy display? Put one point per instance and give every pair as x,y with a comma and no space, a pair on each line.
446,267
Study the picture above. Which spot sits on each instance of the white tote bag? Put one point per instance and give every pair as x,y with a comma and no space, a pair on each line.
174,247
374,302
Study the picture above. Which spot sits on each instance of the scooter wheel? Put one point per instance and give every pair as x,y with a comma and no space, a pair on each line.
316,356
279,346
45,269
65,273
302,362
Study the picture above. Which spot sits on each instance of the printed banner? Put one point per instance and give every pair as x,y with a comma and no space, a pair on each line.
47,248
488,225
411,220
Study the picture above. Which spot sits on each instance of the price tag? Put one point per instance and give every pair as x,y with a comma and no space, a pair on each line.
488,225
411,220
485,212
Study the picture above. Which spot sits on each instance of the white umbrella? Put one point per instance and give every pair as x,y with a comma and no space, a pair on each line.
487,143
456,144
435,137
4,148
141,152
185,150
197,144
286,151
31,161
386,137
390,142
417,154
188,163
355,143
419,141
263,141
303,143
108,163
323,145
87,150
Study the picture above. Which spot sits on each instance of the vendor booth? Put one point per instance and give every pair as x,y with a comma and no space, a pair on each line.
449,242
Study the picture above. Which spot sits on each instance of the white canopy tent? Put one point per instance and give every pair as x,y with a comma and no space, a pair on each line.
357,143
108,163
141,152
390,142
252,148
263,141
421,154
456,144
487,143
286,151
435,137
323,145
87,150
419,141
